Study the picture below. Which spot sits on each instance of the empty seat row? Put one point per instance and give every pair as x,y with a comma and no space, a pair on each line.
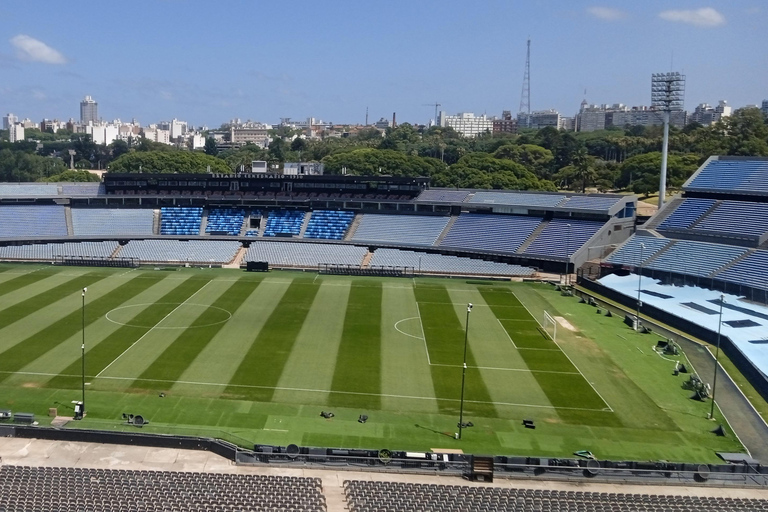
329,224
403,229
487,232
179,220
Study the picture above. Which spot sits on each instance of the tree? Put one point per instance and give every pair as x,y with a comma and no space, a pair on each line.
641,172
181,162
118,148
73,176
210,147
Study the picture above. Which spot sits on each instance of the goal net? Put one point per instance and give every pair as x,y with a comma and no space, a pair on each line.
550,326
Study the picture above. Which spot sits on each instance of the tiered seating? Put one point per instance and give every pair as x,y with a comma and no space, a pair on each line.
51,251
518,199
589,202
82,189
179,220
304,254
374,496
632,253
228,220
689,211
85,489
192,251
112,221
284,222
439,263
329,224
747,176
736,217
404,229
32,221
28,189
750,271
499,233
563,237
442,195
696,258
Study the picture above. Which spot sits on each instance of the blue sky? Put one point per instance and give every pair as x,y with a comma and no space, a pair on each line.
208,62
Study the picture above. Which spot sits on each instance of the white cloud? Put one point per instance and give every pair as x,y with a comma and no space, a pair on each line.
704,17
607,13
30,49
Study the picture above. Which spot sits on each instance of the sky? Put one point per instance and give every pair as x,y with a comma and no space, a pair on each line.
209,62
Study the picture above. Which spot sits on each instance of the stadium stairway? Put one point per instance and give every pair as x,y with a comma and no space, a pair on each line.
263,225
706,214
665,212
68,219
116,252
367,260
156,221
647,261
533,236
353,227
731,263
204,222
246,223
305,223
238,259
447,228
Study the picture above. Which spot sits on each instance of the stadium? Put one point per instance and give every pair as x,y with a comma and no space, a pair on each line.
358,322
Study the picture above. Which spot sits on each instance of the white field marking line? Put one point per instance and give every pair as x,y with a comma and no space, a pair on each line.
315,279
146,304
403,332
307,390
718,407
151,329
525,370
275,429
566,355
423,336
126,272
505,332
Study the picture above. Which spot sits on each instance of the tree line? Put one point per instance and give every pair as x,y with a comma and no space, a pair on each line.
547,159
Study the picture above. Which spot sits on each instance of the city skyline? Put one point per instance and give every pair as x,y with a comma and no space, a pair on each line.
334,61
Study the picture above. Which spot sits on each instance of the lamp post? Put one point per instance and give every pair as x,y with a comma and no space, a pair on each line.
639,284
82,352
717,354
464,371
567,253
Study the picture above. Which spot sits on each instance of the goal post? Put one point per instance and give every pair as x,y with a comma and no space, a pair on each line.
550,326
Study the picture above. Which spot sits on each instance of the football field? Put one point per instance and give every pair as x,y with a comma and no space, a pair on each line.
256,357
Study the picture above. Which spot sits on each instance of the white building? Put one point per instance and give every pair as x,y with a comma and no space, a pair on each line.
706,115
16,132
466,123
9,120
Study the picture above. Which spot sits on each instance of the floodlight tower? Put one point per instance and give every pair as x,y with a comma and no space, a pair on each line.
667,94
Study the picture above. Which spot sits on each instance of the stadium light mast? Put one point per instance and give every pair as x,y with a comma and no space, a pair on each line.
667,94
464,371
639,285
717,355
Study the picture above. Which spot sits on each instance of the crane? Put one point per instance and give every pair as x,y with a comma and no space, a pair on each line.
436,105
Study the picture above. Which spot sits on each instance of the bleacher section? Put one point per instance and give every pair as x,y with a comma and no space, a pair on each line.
632,253
284,222
32,221
82,189
51,251
304,254
443,195
329,224
563,237
180,220
498,233
26,489
744,176
686,215
590,202
225,220
28,189
736,218
518,199
696,258
403,229
439,263
192,251
112,221
375,496
751,271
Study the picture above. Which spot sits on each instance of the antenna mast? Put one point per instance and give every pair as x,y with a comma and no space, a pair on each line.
525,96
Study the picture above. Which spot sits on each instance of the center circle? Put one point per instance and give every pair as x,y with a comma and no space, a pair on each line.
126,315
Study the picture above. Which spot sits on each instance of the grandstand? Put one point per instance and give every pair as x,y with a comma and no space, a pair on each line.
329,224
32,221
442,264
284,223
303,254
407,230
112,221
227,221
182,252
180,220
485,232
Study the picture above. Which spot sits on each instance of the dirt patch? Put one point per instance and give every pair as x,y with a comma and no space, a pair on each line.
565,323
31,385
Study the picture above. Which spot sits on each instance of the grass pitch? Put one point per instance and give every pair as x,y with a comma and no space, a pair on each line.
256,357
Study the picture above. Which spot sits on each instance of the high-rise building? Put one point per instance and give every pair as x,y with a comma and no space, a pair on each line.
16,132
89,111
706,115
467,123
764,108
9,120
